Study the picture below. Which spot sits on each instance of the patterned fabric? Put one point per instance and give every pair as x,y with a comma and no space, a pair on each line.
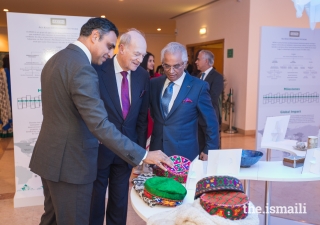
125,100
138,185
162,201
5,109
218,183
179,172
227,204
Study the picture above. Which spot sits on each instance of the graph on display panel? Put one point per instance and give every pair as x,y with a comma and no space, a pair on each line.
292,98
29,102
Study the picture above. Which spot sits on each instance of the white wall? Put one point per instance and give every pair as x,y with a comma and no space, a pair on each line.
156,42
228,20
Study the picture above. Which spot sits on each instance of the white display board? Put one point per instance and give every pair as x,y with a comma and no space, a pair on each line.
289,81
33,39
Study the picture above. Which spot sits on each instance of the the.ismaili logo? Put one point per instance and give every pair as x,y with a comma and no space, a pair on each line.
58,21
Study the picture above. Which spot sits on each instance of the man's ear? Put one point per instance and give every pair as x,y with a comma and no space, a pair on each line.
121,49
95,35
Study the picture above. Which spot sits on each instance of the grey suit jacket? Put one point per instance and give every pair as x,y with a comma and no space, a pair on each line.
74,118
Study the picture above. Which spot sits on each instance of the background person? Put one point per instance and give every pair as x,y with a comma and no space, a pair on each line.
204,62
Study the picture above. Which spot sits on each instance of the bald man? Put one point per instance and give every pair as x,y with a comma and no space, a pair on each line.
130,118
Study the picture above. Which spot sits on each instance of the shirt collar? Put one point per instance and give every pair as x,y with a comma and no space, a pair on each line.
83,48
208,70
117,67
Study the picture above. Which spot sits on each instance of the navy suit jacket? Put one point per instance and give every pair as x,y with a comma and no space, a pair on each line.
136,123
178,133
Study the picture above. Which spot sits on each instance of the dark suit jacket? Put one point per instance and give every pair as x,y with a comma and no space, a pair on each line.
136,123
177,134
216,86
74,118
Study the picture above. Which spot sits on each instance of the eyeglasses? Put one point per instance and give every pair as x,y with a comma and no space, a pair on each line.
175,67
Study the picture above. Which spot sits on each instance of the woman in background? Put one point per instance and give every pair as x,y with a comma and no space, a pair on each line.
148,65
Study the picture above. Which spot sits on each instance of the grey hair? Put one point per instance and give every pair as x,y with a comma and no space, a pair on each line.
209,56
125,38
174,47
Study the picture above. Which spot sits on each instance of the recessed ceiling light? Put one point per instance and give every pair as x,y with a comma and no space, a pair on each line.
120,0
6,10
103,16
159,29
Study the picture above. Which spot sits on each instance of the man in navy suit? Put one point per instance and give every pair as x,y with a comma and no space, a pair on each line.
113,171
204,63
177,100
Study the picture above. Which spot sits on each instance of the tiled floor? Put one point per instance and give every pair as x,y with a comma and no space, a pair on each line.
283,194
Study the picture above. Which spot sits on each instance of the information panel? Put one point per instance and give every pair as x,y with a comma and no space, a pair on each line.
33,39
289,82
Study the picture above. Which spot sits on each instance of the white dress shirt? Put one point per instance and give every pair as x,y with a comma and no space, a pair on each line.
83,48
176,88
206,73
117,70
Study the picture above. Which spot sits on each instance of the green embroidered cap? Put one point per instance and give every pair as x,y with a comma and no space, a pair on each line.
165,187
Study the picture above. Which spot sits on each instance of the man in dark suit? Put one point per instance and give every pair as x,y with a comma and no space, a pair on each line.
112,169
74,119
176,102
204,62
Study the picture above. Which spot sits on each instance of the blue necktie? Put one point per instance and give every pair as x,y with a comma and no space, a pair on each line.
202,76
166,97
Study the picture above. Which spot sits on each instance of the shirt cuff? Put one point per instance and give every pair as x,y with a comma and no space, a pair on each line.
145,156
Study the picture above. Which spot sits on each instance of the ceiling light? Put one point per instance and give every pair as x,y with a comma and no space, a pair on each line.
6,10
159,29
203,30
103,16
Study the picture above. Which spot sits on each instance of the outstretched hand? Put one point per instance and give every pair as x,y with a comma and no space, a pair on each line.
158,157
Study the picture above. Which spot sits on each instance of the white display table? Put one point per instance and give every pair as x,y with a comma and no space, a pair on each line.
263,171
285,146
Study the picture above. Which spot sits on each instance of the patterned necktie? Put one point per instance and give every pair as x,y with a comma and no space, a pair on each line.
125,94
202,76
166,97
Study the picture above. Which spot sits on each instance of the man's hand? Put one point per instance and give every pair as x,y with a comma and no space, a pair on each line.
203,156
158,157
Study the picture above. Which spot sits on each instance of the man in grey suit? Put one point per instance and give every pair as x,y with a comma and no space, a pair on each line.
204,62
74,119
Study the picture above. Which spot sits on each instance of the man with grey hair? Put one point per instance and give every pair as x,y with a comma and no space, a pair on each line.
124,89
204,63
177,100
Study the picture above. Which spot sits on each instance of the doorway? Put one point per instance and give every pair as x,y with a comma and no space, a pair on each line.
216,47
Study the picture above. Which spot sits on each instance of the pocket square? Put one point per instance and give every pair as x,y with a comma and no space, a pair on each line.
142,93
187,100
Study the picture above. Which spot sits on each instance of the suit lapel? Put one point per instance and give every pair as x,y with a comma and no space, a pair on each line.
184,90
110,82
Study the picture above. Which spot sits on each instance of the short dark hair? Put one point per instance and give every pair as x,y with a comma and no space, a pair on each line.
5,61
103,25
144,63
